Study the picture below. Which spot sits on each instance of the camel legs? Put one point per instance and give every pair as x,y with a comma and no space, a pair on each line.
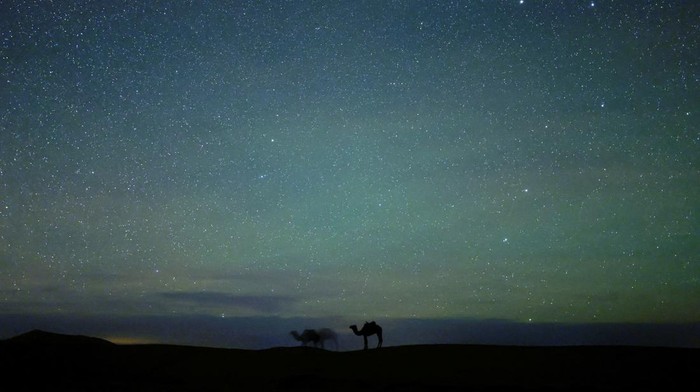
365,337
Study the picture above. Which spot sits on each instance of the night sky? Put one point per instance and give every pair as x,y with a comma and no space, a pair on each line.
219,173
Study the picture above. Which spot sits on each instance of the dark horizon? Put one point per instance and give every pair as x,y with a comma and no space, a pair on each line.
47,361
257,333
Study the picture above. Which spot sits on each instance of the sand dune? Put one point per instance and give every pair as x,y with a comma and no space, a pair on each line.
46,361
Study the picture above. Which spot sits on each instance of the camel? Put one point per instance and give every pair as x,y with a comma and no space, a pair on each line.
325,334
369,329
316,337
306,337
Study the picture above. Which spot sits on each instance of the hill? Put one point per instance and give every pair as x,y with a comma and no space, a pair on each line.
41,360
42,338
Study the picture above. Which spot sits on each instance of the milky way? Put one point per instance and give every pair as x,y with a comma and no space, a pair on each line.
533,162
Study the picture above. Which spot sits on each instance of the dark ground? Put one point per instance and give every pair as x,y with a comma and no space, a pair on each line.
45,361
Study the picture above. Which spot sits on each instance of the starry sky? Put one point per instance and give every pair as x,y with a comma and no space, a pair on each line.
207,171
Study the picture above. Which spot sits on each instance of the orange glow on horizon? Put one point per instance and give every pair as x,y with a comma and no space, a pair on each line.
129,340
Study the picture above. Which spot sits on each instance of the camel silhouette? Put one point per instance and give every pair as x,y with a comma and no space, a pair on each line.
317,337
306,337
369,329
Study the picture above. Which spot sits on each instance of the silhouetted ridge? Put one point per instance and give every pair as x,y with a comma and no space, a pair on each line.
41,360
43,338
